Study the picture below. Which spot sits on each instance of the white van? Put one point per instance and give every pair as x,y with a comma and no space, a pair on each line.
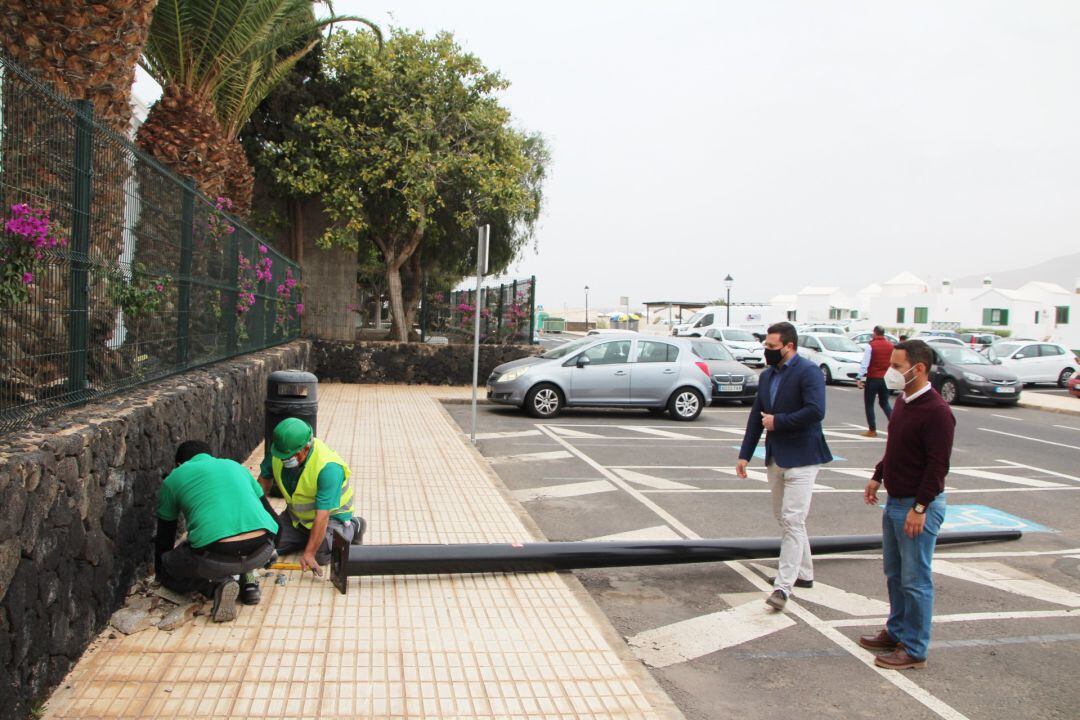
705,318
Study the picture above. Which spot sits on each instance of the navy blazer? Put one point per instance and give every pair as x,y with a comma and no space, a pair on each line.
797,439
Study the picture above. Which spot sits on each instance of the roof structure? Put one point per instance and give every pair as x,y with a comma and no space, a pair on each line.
905,278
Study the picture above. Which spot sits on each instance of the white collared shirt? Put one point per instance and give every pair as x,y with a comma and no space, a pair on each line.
925,389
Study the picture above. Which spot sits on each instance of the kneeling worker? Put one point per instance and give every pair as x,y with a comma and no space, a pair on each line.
314,481
230,527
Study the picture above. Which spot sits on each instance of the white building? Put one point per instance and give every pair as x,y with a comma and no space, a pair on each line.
907,304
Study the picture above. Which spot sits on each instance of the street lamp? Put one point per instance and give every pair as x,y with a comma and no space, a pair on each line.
728,282
586,308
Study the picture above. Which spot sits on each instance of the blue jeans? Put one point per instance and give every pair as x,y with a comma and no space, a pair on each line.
908,575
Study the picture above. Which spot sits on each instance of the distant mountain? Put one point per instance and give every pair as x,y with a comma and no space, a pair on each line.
1064,270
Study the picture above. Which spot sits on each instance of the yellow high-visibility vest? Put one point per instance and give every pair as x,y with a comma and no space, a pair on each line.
301,503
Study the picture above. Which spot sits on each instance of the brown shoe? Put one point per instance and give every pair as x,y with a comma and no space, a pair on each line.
869,433
882,641
898,660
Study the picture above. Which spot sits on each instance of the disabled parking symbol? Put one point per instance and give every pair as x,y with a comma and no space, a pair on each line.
979,518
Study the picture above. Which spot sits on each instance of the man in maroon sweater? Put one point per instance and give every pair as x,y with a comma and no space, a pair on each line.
914,468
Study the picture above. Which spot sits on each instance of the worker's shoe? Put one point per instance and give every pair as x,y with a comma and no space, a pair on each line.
799,582
225,593
883,641
869,433
249,589
777,601
359,527
899,659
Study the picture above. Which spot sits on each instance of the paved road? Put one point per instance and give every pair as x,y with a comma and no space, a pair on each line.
1007,634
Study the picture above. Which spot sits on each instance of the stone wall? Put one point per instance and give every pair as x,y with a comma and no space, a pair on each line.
412,363
77,510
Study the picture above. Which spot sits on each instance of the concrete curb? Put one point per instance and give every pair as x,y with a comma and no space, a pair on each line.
1050,408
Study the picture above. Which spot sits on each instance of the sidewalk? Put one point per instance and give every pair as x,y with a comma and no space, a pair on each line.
1067,405
463,646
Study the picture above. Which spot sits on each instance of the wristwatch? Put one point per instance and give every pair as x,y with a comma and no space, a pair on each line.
919,509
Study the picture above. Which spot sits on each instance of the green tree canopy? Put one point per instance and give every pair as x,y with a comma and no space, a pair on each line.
411,149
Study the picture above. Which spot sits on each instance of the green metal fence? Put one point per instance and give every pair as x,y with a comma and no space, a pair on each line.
114,271
507,313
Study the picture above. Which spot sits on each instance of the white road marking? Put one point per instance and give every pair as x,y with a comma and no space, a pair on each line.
849,436
833,597
1002,577
653,482
566,490
567,432
1033,439
957,555
659,532
732,430
498,435
530,457
659,433
825,489
751,474
622,485
1002,477
855,425
965,617
705,634
1067,427
1042,470
1005,417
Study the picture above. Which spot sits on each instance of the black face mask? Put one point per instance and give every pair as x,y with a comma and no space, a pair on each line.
773,357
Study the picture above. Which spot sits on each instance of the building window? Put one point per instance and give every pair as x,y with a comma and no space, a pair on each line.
791,315
995,316
1036,317
854,314
921,315
899,315
1061,315
836,313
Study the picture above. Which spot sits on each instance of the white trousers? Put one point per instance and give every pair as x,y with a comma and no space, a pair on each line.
791,490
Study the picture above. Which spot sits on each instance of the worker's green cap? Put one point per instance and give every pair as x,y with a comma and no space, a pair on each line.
290,437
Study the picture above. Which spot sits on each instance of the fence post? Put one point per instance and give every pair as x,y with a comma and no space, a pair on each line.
232,296
423,308
532,310
498,326
79,263
183,313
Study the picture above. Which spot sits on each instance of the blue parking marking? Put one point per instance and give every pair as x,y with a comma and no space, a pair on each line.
978,518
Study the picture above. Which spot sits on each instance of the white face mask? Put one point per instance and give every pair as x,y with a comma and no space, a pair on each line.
896,380
291,462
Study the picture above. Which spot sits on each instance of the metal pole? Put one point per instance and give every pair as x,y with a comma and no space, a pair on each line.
183,313
532,308
481,268
79,255
728,323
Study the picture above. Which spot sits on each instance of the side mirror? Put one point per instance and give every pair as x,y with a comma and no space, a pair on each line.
1019,356
583,360
996,361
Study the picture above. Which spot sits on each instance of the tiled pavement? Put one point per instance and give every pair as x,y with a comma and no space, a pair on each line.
465,646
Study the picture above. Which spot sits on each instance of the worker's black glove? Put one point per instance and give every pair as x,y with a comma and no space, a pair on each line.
163,542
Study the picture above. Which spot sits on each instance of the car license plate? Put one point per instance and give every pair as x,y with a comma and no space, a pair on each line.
1005,390
730,388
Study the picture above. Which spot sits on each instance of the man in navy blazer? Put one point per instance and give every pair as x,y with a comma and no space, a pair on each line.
789,407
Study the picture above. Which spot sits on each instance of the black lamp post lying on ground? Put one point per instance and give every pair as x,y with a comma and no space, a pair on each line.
349,560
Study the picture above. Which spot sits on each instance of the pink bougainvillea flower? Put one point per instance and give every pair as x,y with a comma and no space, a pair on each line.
28,278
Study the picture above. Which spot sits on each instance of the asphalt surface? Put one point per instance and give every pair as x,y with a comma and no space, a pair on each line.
1007,637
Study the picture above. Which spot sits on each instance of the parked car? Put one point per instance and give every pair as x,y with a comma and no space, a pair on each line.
610,331
742,344
960,373
1074,386
823,328
731,378
979,340
838,357
627,370
927,334
862,339
938,340
1035,362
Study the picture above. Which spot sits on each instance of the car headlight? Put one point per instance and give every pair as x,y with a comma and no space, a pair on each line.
512,375
974,377
752,379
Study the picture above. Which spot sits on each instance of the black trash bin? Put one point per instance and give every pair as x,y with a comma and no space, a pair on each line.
290,393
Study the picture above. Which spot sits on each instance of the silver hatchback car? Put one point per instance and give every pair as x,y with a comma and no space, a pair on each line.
631,370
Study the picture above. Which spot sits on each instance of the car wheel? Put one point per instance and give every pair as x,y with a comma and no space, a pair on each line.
544,401
686,404
1063,378
657,412
949,393
827,374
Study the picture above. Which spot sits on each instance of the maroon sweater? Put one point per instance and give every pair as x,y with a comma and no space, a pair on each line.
917,452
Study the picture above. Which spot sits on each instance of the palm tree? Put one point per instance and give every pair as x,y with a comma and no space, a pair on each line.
85,51
216,60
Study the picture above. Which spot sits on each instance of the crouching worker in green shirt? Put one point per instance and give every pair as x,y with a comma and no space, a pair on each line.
230,527
314,481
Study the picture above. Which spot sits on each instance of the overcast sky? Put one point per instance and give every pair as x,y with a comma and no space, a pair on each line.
784,142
